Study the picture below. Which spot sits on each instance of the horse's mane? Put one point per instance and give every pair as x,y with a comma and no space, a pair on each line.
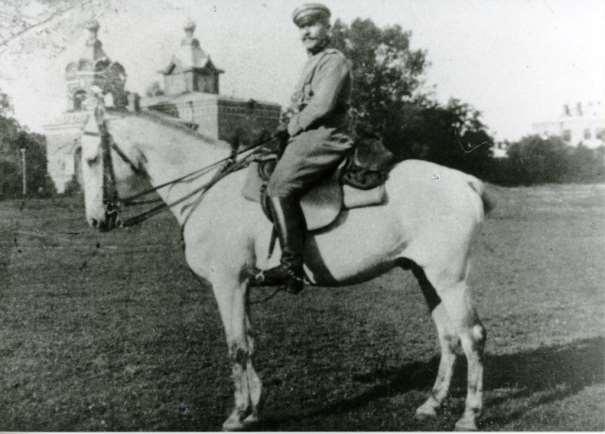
175,124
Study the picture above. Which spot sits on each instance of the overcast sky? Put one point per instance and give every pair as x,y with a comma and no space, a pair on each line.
517,61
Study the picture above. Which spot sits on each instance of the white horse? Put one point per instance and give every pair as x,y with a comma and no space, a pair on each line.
427,224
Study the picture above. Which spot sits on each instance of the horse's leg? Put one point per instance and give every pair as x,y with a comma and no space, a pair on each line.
230,295
455,297
448,341
255,385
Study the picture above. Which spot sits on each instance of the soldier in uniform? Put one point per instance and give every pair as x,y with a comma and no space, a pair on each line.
316,124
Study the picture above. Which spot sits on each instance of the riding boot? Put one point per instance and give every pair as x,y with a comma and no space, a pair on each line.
290,226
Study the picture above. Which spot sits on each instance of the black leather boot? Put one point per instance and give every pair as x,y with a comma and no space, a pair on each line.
289,223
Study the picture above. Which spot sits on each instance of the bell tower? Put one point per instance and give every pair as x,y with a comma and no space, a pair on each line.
191,69
92,68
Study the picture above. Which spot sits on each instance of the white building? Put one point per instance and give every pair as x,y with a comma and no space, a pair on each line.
583,123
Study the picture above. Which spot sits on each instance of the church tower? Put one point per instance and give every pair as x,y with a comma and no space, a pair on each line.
191,93
94,68
191,69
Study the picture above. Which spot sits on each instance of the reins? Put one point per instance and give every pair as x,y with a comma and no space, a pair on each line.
113,203
229,166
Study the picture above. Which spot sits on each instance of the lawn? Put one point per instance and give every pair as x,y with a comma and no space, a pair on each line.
113,332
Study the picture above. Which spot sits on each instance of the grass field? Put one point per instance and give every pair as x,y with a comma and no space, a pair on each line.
113,332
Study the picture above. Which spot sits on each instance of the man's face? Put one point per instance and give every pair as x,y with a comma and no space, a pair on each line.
314,33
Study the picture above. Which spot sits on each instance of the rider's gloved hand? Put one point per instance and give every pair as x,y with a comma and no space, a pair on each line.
282,131
281,136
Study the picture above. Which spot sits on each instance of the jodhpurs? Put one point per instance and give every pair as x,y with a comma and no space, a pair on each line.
308,157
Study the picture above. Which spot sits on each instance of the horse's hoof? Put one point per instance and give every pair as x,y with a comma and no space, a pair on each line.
425,413
230,426
234,424
466,424
251,420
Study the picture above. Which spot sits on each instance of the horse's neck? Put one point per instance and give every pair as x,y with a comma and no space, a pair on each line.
170,154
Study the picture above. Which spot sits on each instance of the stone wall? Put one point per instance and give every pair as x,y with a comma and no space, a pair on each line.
219,116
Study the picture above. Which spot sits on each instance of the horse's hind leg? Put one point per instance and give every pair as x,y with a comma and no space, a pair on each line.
448,341
455,297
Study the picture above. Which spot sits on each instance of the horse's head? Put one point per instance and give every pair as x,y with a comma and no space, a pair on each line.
102,172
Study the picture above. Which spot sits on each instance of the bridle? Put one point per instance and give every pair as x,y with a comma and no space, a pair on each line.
113,203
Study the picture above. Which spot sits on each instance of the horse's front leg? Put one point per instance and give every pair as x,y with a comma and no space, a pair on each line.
255,386
230,293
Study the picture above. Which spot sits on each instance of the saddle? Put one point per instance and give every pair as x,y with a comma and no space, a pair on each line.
357,182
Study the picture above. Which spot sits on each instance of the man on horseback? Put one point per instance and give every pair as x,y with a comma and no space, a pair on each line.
316,128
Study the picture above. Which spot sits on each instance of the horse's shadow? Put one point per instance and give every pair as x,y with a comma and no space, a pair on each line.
553,372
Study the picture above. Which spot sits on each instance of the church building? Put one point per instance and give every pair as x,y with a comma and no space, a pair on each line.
191,93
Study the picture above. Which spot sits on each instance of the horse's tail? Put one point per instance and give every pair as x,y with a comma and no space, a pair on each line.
488,200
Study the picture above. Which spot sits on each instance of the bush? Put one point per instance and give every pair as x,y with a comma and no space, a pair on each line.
537,160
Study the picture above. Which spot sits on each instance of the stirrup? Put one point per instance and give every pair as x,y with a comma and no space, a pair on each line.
293,284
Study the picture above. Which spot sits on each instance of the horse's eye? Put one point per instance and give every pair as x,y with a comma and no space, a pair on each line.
92,160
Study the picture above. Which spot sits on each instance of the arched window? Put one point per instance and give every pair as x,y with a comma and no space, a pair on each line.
79,98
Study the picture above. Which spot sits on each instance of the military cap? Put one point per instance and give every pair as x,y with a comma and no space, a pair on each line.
309,10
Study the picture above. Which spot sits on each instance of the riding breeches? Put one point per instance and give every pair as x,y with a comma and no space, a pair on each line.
309,157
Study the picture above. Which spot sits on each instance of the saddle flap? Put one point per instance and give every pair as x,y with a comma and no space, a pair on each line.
322,204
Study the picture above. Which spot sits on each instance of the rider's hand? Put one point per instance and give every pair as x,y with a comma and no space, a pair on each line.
281,137
281,133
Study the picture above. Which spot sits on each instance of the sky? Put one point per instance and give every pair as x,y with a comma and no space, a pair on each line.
516,61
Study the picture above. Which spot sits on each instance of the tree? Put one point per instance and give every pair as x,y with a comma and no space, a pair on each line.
585,164
453,135
386,74
9,127
34,26
14,137
6,108
537,160
387,100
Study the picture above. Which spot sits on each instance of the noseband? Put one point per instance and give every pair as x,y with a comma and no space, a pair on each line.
110,191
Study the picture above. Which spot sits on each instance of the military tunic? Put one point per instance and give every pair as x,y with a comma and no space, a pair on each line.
317,126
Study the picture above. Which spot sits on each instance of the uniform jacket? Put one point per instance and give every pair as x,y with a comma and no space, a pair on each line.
323,93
